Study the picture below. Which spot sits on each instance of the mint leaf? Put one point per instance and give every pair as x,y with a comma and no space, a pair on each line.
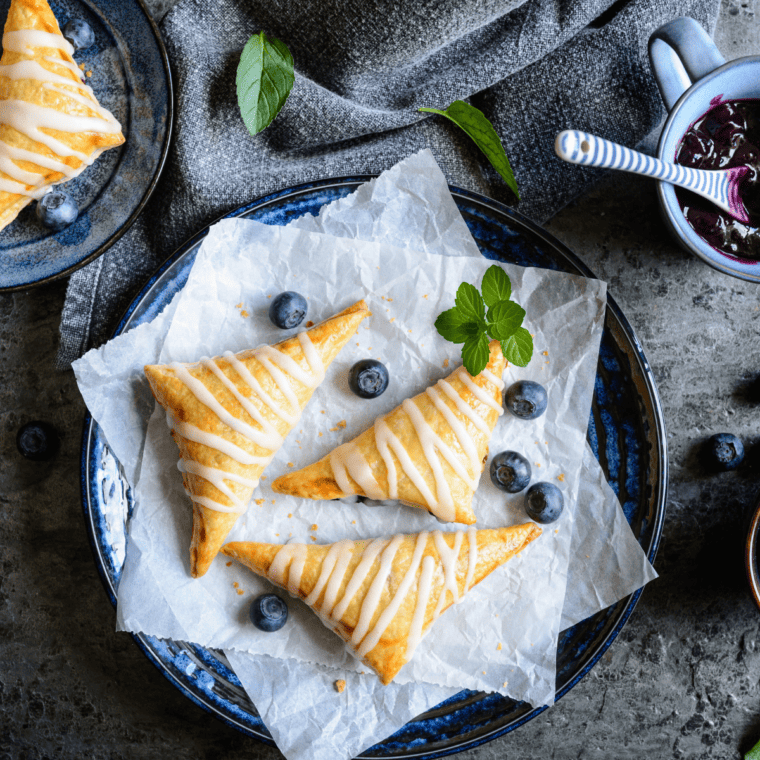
518,348
264,80
754,753
475,353
470,303
504,318
454,327
477,126
495,286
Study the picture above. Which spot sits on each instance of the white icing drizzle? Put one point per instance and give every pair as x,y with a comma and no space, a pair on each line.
266,436
287,569
347,460
204,501
24,40
29,118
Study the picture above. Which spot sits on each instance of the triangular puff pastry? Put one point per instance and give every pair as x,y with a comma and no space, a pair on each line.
382,596
229,416
429,451
51,125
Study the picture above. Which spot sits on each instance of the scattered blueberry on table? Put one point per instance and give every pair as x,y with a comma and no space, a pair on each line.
544,502
79,33
57,210
37,441
724,451
368,378
268,612
288,310
510,471
526,399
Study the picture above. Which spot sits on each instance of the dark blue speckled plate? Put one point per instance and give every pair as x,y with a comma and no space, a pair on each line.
131,78
626,432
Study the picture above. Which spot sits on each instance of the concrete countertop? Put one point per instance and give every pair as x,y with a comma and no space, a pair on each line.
681,681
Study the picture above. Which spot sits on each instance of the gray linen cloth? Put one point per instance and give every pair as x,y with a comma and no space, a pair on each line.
363,68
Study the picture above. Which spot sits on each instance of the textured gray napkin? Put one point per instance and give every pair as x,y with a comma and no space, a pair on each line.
534,67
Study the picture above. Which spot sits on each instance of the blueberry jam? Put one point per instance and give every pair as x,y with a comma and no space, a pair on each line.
728,135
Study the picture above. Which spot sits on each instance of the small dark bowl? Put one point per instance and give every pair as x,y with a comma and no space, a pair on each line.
751,559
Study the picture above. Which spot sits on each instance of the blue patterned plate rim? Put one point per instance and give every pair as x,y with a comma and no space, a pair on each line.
658,455
101,249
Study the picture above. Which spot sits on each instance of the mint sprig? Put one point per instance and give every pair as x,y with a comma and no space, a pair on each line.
264,80
474,122
475,318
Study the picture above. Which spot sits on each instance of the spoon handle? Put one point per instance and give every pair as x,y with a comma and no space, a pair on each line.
590,150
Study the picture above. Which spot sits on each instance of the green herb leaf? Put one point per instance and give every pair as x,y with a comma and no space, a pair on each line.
475,353
518,348
504,318
477,126
470,303
754,753
264,80
495,286
453,326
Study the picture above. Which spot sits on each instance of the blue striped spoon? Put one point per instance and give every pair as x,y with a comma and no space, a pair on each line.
721,186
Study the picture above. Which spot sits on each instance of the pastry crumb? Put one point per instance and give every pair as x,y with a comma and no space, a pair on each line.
313,538
556,530
263,477
561,477
88,74
244,314
425,296
229,563
309,324
240,592
323,411
353,522
235,584
445,363
259,501
239,305
273,501
269,296
320,435
588,557
538,464
357,343
290,514
409,330
315,527
505,684
388,299
545,353
498,647
340,685
393,319
81,66
290,464
484,672
277,535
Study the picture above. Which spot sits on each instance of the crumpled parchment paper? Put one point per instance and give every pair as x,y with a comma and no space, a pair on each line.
399,236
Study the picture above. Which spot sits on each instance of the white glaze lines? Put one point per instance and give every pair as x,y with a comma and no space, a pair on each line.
432,575
261,433
347,460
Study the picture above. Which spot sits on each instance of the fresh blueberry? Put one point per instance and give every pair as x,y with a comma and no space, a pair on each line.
544,502
57,210
368,378
510,471
288,310
79,33
526,399
724,451
269,613
37,441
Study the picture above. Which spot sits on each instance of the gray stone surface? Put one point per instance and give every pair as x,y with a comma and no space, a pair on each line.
682,680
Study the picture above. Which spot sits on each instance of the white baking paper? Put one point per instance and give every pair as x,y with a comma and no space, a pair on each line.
409,205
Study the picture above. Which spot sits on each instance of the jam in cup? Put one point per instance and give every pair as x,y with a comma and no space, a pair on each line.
713,122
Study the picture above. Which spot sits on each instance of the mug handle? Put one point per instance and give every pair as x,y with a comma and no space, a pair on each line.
680,53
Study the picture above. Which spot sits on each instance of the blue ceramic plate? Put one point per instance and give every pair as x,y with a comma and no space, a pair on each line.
626,432
131,78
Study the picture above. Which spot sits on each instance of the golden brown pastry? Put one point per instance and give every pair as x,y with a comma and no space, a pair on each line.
230,415
382,596
429,451
51,125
